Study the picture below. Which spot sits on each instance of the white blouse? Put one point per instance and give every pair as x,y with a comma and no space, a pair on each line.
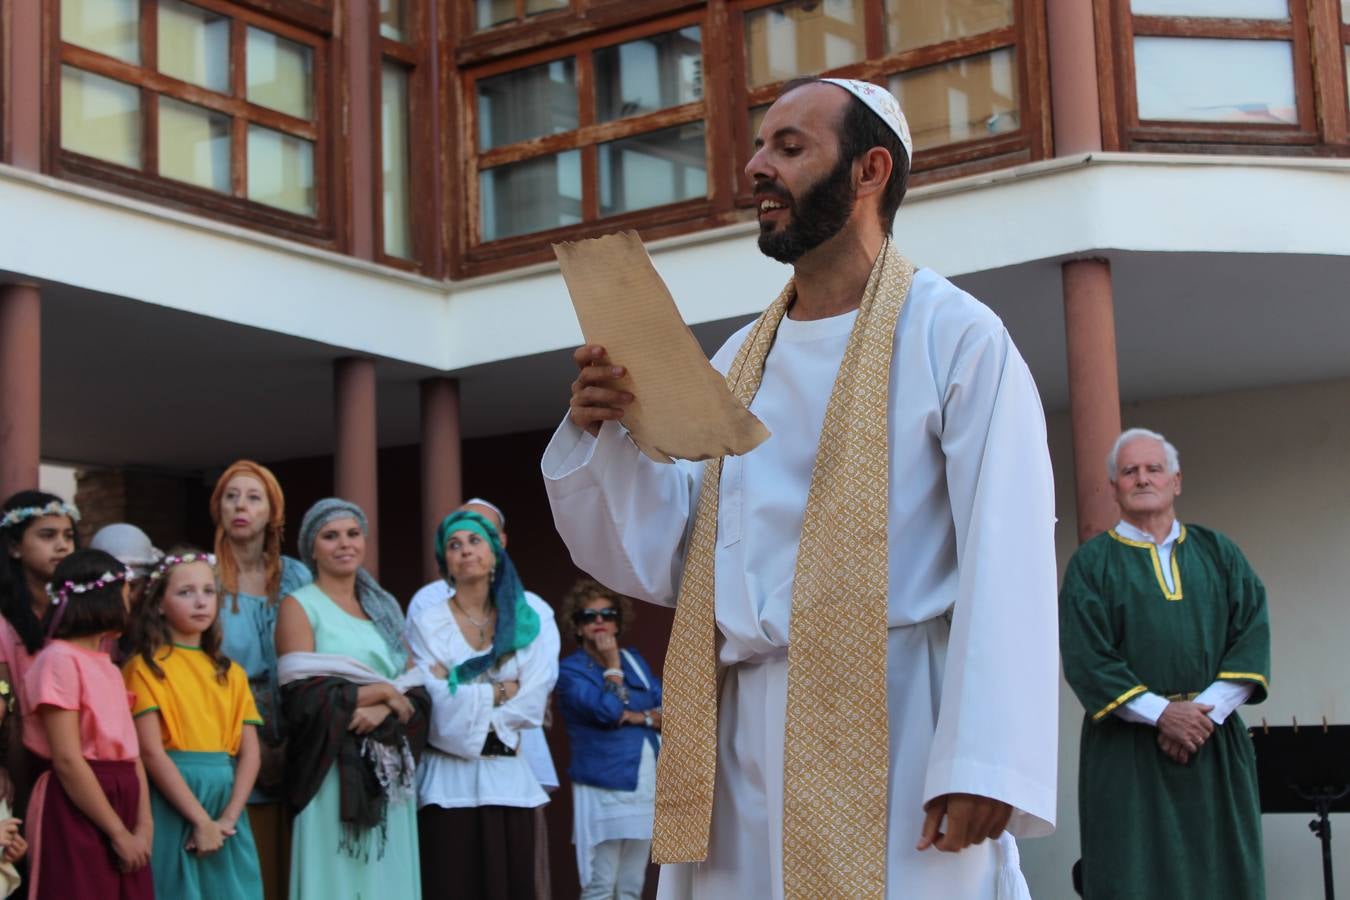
453,773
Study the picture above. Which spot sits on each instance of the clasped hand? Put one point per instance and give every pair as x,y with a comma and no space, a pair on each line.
1183,728
970,820
367,718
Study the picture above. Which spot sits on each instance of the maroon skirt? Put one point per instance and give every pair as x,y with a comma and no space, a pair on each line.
72,858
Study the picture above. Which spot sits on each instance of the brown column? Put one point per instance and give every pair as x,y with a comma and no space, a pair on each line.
1074,100
362,119
354,453
20,387
1094,389
442,481
23,55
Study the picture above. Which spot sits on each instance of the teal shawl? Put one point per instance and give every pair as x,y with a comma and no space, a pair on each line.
517,622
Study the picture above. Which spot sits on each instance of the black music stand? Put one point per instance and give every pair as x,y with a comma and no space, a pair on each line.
1305,768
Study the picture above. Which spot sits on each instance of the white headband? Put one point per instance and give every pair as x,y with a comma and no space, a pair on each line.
881,102
479,501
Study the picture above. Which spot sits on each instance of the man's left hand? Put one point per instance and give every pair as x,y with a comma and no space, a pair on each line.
970,820
1173,749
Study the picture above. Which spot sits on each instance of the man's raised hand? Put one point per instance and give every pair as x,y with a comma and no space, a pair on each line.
593,403
970,820
1186,723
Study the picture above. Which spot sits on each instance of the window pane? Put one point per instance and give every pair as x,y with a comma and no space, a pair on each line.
1345,11
653,169
394,143
194,145
962,100
280,74
535,7
1236,9
494,12
108,26
1212,80
100,117
802,38
392,21
527,103
910,24
280,170
533,195
654,73
194,45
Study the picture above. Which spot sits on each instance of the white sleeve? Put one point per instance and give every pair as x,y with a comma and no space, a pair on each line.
1144,709
1224,696
622,515
998,727
538,673
459,721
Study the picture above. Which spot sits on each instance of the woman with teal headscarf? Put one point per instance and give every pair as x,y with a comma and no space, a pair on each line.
491,652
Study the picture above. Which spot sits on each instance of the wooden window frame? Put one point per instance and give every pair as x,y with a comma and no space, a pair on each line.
1025,36
475,257
1312,28
307,22
414,55
582,18
592,24
469,25
6,152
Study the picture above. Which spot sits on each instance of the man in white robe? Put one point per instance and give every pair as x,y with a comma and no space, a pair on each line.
972,681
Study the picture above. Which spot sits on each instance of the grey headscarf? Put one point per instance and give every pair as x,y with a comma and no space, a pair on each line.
376,602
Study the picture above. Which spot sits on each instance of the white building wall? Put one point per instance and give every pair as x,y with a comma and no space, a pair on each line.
1269,468
104,242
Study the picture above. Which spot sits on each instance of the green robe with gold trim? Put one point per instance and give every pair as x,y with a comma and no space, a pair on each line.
1153,829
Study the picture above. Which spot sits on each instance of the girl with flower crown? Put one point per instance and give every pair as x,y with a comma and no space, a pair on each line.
37,531
89,816
198,729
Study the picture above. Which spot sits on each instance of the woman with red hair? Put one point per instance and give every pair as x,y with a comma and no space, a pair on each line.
250,513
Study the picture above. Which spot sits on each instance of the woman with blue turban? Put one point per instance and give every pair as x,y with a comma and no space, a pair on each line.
490,653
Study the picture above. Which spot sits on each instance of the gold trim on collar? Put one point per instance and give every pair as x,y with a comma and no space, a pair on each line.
1110,707
1176,594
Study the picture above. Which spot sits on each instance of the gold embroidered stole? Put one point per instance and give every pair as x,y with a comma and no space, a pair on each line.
836,752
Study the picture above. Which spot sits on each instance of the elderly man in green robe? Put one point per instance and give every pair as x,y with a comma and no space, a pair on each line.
1164,633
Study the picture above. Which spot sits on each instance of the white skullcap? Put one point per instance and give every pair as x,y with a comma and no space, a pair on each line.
881,102
479,501
128,544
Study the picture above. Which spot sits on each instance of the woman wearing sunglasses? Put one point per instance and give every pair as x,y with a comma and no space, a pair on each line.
611,704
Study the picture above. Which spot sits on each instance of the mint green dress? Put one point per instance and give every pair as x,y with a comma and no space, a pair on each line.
319,871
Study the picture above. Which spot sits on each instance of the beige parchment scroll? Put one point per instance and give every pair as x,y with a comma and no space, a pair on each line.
682,407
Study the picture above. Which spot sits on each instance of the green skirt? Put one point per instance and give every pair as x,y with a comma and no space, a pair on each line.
232,872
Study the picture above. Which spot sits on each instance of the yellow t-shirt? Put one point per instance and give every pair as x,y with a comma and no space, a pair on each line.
196,711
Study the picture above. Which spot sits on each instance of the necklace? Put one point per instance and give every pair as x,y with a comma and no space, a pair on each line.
481,626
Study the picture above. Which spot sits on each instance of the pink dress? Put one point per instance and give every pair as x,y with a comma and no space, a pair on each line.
14,654
21,765
70,853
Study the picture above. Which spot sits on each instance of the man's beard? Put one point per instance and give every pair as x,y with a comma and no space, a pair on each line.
821,214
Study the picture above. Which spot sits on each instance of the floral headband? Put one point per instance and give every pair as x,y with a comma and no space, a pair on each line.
169,562
61,592
24,513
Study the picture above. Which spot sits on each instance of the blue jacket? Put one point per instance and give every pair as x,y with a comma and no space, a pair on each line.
604,754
